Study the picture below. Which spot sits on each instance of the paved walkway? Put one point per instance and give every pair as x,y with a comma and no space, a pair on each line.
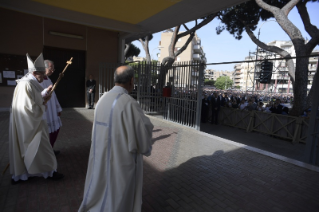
187,171
259,140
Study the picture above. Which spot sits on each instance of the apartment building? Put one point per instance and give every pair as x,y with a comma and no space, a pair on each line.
135,59
246,74
218,74
236,76
209,74
194,52
214,74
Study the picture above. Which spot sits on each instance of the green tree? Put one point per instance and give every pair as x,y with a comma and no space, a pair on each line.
209,82
131,50
223,82
245,17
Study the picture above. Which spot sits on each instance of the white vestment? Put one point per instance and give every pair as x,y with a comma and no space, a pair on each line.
121,135
53,108
30,150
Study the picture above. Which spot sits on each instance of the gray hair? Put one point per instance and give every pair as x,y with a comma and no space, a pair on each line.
125,76
46,63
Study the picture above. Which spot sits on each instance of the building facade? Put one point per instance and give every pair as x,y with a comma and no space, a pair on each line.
218,74
194,53
246,74
90,33
59,41
209,74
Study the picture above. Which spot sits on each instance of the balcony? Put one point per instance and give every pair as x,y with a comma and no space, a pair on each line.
198,49
282,69
280,77
313,59
237,72
197,57
237,81
237,77
313,68
287,43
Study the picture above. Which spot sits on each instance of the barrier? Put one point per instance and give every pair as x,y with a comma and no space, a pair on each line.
281,126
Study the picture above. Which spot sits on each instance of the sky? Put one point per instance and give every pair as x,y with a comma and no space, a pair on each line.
225,48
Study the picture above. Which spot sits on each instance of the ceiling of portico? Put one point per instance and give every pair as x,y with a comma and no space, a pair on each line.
131,17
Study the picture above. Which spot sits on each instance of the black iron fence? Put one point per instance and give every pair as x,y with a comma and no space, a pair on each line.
173,92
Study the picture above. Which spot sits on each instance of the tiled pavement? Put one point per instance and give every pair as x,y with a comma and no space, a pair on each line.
187,171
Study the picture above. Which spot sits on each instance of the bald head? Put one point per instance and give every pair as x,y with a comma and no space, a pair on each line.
123,74
124,77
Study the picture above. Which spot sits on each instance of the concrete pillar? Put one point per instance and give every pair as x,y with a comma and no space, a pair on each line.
121,50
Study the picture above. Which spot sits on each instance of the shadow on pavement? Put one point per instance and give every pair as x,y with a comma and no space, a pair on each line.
231,181
258,140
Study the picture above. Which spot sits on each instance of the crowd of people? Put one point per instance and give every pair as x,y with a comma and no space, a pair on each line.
277,103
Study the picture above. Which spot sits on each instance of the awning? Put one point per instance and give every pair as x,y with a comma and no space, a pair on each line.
131,17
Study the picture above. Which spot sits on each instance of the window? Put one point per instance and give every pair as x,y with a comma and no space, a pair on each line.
178,59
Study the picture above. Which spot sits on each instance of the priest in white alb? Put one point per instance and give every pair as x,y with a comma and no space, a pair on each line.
53,111
121,135
30,152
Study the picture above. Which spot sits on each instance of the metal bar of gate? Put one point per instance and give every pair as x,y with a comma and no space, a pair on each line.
199,95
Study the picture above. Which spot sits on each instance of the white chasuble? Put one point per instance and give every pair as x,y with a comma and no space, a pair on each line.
30,150
53,108
121,135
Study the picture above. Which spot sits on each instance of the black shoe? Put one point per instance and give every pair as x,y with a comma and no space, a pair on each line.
56,152
56,176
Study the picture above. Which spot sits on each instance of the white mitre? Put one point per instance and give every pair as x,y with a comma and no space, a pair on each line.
37,65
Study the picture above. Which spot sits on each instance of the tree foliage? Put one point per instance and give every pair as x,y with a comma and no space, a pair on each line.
234,19
223,82
209,82
132,51
245,17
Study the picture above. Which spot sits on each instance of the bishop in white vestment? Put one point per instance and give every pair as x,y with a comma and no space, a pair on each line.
30,152
121,135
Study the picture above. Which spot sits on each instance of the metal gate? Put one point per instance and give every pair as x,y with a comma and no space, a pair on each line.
174,93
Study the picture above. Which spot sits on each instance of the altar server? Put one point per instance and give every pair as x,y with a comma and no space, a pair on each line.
53,111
